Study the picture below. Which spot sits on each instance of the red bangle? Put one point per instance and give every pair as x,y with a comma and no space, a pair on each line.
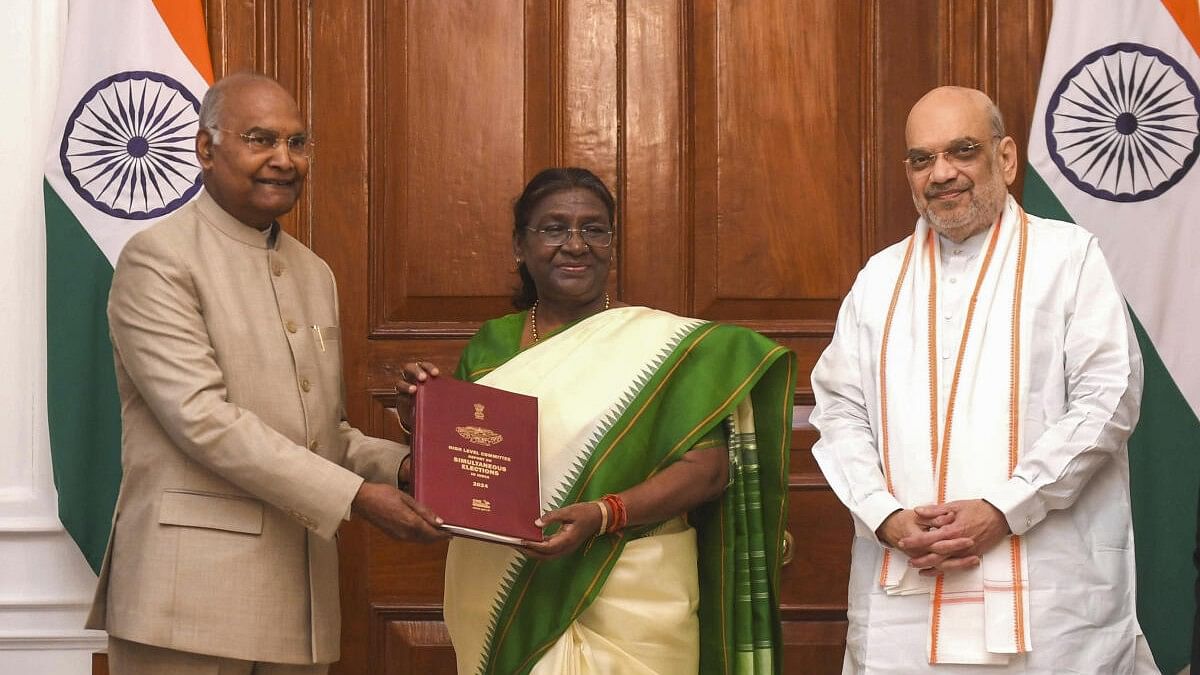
618,516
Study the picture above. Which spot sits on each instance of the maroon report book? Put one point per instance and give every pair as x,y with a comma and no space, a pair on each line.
475,459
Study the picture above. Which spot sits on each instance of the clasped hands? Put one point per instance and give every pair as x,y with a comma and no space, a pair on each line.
943,537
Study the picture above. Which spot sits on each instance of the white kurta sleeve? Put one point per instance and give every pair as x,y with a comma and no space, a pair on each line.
1103,371
847,452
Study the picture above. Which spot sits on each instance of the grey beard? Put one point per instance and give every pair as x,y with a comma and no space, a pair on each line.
984,209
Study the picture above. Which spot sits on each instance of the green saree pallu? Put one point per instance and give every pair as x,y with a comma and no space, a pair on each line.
623,394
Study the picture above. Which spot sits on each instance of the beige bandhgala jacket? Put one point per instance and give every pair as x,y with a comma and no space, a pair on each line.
238,463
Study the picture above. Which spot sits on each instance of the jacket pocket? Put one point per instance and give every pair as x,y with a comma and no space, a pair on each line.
211,510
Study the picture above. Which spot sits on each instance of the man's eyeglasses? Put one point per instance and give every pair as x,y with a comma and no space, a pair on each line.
299,145
557,235
961,155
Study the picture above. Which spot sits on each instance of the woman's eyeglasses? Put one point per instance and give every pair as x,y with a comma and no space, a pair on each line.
557,235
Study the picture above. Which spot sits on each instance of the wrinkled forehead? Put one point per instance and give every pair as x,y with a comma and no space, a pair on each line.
570,199
261,105
936,122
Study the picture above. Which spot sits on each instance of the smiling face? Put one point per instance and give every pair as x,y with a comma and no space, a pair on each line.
574,273
256,186
958,197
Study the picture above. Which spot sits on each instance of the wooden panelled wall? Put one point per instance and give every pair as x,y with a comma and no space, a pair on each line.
754,146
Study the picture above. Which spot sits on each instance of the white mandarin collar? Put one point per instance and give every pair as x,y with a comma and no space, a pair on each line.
968,249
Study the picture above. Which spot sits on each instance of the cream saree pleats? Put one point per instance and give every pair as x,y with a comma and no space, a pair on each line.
582,387
622,395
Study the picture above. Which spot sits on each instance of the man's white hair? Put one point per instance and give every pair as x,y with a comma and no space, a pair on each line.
214,101
996,119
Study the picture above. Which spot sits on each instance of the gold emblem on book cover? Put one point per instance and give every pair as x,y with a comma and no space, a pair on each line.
478,411
479,435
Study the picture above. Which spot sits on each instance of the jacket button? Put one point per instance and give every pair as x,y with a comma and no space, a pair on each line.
291,326
277,270
304,384
315,445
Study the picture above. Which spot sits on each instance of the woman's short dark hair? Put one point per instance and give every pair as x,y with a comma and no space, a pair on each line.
547,182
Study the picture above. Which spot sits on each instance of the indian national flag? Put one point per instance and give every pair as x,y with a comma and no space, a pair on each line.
1113,147
121,156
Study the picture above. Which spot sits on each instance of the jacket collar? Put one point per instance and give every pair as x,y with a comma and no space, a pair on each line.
234,228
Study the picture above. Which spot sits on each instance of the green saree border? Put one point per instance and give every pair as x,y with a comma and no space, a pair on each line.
668,408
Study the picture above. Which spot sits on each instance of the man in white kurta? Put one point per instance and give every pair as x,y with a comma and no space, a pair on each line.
974,407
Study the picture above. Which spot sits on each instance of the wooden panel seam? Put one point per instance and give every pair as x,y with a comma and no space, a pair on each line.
378,111
870,134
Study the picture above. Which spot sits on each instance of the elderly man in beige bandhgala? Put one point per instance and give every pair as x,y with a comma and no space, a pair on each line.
239,465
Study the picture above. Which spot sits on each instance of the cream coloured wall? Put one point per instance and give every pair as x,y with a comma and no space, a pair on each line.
45,585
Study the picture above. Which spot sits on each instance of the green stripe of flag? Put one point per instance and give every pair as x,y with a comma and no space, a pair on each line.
1164,467
84,409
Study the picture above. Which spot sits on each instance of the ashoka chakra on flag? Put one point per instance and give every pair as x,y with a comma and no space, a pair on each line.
1122,124
128,148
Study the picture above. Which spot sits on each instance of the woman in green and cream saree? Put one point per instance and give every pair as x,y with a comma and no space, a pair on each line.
664,446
